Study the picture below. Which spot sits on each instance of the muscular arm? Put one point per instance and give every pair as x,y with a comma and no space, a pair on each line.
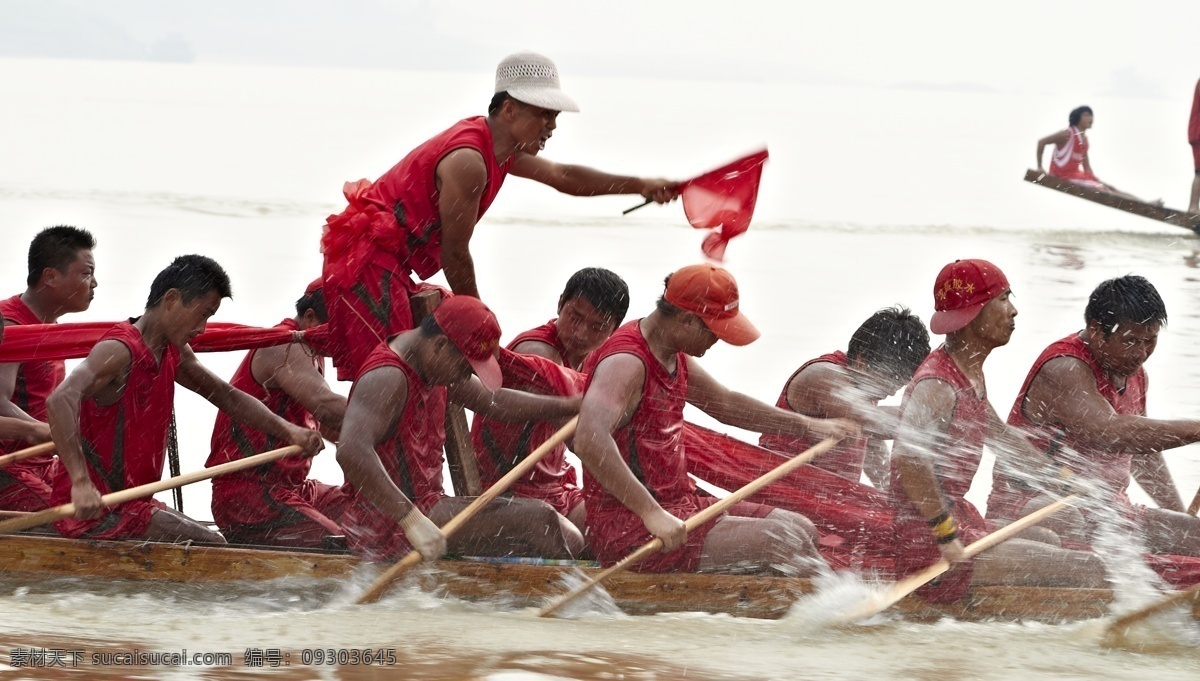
8,386
1151,472
742,411
825,390
242,407
1064,392
106,369
923,432
290,368
584,181
1059,138
1016,454
33,432
540,349
512,406
461,177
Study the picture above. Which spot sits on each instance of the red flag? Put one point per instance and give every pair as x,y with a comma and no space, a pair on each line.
723,200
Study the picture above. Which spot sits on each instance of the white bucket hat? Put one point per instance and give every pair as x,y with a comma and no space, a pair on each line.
533,79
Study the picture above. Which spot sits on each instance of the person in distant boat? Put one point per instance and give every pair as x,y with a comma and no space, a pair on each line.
1070,159
592,305
418,218
392,437
61,280
945,420
1194,140
276,503
881,358
110,417
629,439
1084,405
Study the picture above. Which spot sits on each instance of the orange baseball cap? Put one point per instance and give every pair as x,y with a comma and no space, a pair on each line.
711,293
473,329
962,289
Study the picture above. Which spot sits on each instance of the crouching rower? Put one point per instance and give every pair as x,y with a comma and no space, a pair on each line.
109,418
276,503
945,420
629,439
392,437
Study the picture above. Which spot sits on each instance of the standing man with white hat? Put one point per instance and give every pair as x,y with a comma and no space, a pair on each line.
419,216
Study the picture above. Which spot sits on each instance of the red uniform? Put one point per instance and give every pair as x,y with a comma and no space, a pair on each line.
1067,161
1194,128
25,485
412,457
1112,469
500,446
955,467
124,443
846,459
651,445
274,503
390,230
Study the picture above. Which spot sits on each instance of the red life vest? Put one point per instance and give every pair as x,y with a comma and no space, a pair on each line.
232,440
125,442
1067,161
1093,463
394,222
651,444
846,459
35,379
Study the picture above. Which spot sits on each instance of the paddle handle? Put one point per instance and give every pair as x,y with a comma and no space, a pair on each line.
66,510
30,452
645,203
381,584
917,580
655,545
1192,594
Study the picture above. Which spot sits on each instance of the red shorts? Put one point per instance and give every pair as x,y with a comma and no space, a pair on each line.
617,532
365,314
375,536
130,520
916,549
256,512
27,485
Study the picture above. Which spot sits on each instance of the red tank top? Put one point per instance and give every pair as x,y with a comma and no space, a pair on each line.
35,379
958,459
232,440
651,443
1194,120
499,445
1112,468
413,456
846,459
398,214
1067,161
125,442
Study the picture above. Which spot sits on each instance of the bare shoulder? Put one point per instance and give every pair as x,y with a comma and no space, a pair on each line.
540,349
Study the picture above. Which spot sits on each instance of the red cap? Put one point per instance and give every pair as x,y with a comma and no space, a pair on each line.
712,294
962,289
316,285
473,329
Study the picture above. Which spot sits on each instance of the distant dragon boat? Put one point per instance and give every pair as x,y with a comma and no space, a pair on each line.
1170,216
514,584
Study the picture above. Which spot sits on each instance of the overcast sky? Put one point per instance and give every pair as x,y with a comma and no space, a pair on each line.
1098,47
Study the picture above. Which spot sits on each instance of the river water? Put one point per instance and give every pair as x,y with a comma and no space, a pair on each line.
857,212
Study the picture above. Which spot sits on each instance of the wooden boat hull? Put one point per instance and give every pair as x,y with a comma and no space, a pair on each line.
1147,210
515,585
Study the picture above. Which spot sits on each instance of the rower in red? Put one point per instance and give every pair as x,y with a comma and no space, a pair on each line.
392,437
881,358
276,503
945,420
636,485
419,217
592,305
61,280
110,417
1194,140
1084,406
1070,160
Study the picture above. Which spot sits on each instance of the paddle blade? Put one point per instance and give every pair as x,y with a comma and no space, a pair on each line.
723,200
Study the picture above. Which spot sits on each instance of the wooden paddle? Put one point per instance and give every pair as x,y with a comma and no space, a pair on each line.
28,452
381,584
1118,627
67,510
695,521
917,580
